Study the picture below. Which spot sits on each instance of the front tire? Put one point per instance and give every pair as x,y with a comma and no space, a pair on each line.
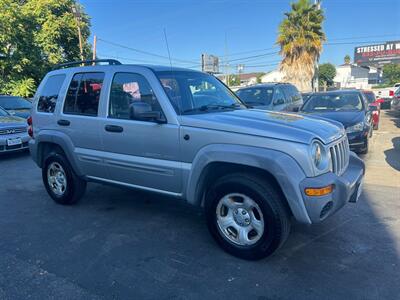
61,182
246,215
366,147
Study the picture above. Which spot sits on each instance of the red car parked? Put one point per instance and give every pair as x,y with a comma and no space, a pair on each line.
375,115
374,106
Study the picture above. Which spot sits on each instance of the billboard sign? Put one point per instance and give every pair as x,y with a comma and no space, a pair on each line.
378,54
210,63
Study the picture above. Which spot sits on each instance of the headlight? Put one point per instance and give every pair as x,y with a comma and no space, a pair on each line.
355,128
319,156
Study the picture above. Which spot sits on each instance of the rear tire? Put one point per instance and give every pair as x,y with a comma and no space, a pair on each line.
61,182
254,228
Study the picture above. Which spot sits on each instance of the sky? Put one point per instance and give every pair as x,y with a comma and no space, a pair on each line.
240,31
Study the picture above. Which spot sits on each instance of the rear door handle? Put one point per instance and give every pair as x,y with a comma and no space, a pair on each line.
63,122
113,128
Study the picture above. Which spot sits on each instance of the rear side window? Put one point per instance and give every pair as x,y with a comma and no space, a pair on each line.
288,93
292,93
49,95
278,95
83,94
296,94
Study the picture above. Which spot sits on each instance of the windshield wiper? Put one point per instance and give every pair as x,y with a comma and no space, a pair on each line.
251,104
212,107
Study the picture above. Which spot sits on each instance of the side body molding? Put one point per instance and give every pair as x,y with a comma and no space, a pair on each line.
282,166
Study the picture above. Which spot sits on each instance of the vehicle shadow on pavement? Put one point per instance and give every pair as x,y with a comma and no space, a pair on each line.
393,155
123,244
14,155
395,117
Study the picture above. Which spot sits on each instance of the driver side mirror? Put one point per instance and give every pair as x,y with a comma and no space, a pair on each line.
279,101
142,111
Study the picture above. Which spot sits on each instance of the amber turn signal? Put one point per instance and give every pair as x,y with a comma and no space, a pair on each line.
315,192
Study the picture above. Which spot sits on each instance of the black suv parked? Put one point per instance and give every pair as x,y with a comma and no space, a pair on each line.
272,96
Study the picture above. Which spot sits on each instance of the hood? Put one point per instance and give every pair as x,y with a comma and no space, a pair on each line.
347,118
279,125
12,121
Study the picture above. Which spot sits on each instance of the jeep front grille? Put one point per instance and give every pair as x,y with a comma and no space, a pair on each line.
12,130
340,156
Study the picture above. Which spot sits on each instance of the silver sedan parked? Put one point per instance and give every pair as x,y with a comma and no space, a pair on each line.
13,133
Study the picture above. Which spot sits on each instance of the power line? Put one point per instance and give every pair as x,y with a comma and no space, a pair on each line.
144,52
364,37
129,58
354,43
250,51
244,59
253,56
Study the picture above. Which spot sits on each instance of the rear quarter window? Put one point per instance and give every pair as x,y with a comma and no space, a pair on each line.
83,94
288,93
49,94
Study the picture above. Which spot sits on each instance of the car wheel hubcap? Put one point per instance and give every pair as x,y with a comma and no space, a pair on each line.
240,219
56,178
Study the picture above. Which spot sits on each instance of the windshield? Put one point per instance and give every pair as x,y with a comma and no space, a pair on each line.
3,113
333,102
256,96
195,92
370,97
14,103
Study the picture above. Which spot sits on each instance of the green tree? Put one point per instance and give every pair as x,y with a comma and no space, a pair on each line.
34,36
326,73
234,80
23,88
347,59
259,77
391,73
300,39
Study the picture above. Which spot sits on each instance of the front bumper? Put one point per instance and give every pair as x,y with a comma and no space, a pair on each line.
395,104
347,187
358,140
6,149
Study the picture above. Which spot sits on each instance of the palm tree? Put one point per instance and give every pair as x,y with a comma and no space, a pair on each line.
347,59
300,38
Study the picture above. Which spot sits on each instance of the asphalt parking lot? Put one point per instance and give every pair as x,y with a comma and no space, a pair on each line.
121,244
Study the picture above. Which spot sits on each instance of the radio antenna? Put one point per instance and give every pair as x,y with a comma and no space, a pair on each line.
172,69
166,43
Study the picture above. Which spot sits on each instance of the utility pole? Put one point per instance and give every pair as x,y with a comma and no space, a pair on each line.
77,15
226,60
94,47
318,3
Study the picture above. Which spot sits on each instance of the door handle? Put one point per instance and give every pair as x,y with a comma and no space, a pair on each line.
113,128
63,122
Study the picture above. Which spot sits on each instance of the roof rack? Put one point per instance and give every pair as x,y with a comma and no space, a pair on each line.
88,62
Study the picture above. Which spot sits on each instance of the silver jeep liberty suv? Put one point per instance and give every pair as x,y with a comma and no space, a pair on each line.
184,134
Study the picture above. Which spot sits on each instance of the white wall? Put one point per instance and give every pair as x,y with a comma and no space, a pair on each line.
350,76
273,76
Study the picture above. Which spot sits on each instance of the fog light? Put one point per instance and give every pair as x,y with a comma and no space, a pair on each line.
315,192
